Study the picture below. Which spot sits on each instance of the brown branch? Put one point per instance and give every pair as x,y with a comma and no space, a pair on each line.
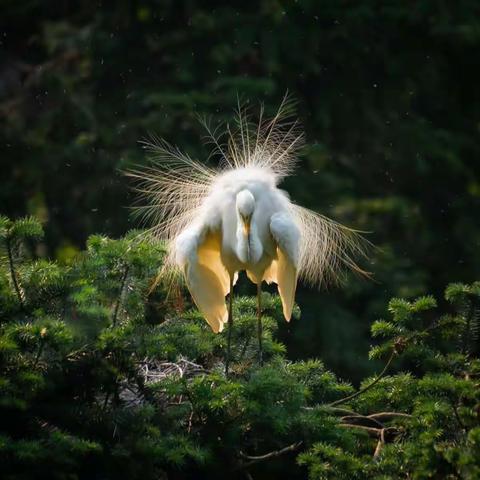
382,416
387,433
380,444
253,459
350,415
362,420
374,432
370,385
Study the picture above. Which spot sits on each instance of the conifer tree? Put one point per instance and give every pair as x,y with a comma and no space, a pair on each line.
102,376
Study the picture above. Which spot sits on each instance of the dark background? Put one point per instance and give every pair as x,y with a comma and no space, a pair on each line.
388,93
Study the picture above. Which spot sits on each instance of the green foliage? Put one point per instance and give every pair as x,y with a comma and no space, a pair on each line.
467,300
326,461
392,134
100,376
387,95
22,229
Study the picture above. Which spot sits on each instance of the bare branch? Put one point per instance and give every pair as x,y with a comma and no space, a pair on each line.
370,385
362,420
384,416
374,432
253,459
380,444
388,433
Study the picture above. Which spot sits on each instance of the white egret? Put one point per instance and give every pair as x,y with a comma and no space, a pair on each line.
218,222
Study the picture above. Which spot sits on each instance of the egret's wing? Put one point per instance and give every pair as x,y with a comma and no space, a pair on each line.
283,270
198,251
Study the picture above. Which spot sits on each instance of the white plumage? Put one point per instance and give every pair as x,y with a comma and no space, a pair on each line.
218,222
244,225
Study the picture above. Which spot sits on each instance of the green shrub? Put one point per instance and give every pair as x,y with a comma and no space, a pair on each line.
103,378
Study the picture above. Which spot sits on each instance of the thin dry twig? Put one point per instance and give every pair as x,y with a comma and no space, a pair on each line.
387,432
370,385
190,421
253,459
380,444
374,432
383,416
156,371
362,420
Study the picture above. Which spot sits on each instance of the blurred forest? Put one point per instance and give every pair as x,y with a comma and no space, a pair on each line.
387,93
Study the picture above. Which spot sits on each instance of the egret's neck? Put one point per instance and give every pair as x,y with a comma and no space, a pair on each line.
243,243
248,248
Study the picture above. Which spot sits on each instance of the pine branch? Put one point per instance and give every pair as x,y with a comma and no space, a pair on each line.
244,348
120,295
39,352
467,333
457,416
13,274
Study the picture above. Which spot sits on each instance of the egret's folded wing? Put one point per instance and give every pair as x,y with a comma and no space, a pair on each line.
198,252
284,269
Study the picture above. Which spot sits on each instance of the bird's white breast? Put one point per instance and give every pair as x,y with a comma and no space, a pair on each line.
256,253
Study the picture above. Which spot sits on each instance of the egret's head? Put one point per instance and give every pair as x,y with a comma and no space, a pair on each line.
245,208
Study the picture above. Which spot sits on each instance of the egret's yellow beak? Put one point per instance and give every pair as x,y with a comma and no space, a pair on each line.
246,225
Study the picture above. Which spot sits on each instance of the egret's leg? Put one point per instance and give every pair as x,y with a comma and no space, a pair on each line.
259,322
230,326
